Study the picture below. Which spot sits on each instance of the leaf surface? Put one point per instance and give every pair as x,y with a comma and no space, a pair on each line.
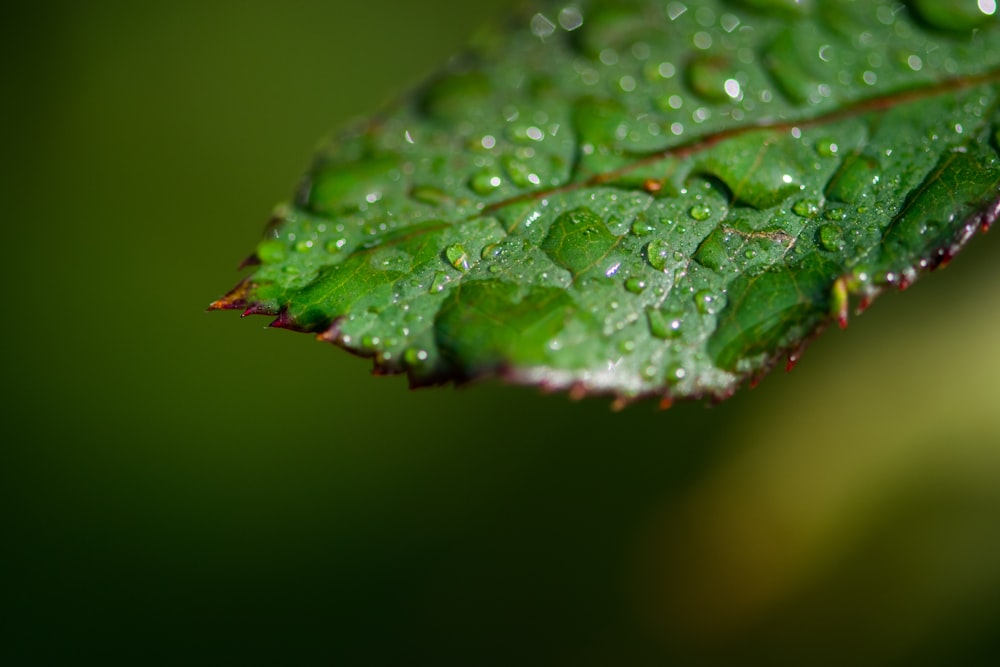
644,198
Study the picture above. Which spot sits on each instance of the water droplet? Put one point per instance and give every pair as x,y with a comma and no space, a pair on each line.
520,174
452,97
570,18
657,252
541,27
415,356
485,182
836,213
787,7
271,251
303,246
806,208
335,245
708,302
700,212
663,325
428,194
441,279
959,15
457,257
635,285
827,147
642,227
709,77
831,237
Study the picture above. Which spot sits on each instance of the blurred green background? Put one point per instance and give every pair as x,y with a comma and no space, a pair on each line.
189,488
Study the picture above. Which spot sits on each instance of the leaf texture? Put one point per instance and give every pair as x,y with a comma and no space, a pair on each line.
644,198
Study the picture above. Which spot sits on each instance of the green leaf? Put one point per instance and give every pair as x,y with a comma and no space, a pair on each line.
645,198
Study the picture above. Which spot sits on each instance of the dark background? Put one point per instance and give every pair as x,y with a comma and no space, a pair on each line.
187,488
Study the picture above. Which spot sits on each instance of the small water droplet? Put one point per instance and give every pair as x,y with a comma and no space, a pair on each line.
441,279
485,182
303,246
415,356
708,302
700,212
831,237
271,251
663,325
428,194
335,245
657,252
711,78
635,285
806,208
956,16
827,147
836,213
457,257
642,227
490,251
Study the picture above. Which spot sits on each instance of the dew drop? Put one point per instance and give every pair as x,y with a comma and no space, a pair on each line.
428,194
635,285
831,237
457,257
806,208
485,182
827,147
835,214
271,251
657,252
663,325
959,16
708,302
335,245
700,212
642,227
440,280
414,356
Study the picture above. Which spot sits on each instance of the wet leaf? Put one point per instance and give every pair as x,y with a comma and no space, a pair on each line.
645,198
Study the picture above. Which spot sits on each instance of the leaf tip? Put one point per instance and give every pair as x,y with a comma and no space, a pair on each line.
234,299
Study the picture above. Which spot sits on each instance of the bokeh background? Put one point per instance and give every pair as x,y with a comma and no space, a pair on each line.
188,488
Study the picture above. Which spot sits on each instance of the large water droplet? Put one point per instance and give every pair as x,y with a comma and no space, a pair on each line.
441,279
709,77
271,251
708,302
520,174
663,325
414,356
827,147
635,285
428,194
642,227
957,15
700,212
453,96
831,237
806,208
485,182
457,257
658,252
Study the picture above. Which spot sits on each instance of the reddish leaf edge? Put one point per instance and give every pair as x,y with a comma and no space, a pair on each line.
849,294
